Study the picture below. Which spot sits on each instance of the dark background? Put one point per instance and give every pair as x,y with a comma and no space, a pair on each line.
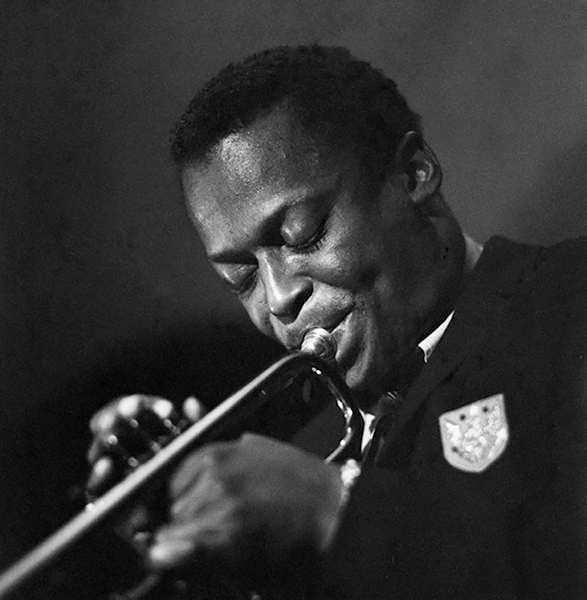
103,288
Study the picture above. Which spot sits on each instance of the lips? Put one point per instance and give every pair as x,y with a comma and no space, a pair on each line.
342,340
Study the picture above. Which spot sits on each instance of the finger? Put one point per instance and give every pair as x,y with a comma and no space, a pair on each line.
95,450
131,442
201,466
108,443
193,409
133,427
129,406
154,416
169,418
163,408
133,407
175,546
104,419
136,524
152,427
167,555
103,476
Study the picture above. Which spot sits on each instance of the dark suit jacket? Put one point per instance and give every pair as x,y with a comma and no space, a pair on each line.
417,527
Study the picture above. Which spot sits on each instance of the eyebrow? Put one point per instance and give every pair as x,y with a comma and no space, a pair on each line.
268,226
261,232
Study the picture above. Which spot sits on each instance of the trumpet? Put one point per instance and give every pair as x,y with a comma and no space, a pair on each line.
313,362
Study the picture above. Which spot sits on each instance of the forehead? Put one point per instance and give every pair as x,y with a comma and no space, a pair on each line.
273,149
253,175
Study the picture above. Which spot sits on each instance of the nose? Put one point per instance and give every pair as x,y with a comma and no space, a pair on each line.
286,290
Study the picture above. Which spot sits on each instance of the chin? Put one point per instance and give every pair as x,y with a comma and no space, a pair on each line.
364,379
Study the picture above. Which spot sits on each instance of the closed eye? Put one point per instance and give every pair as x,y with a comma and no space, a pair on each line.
313,242
244,287
240,278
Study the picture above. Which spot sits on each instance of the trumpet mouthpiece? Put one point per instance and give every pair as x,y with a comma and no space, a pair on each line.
319,342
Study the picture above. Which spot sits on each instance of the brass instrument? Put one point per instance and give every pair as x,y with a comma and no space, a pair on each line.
312,361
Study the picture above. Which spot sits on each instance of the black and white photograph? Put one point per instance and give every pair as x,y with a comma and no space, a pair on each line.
293,300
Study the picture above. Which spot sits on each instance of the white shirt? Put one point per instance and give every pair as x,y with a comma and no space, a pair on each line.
427,345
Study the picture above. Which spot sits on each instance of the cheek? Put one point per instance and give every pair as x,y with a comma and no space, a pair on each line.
356,270
359,253
346,265
256,308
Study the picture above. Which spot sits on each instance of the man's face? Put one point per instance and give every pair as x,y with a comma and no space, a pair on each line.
299,234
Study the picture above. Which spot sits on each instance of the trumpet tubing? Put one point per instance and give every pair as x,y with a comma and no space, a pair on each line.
318,348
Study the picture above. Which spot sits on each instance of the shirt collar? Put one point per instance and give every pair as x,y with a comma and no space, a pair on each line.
429,343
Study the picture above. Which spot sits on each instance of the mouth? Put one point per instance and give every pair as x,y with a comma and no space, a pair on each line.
341,335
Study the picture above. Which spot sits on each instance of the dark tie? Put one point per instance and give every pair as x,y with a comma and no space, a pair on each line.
388,404
408,370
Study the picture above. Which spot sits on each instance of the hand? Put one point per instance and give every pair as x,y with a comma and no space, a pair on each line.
129,430
254,505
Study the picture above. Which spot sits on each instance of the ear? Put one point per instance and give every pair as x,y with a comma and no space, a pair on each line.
417,164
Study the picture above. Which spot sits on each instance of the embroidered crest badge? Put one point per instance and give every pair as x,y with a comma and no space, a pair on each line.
475,436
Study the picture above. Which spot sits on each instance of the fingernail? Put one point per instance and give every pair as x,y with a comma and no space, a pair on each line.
193,409
162,408
102,472
169,554
128,407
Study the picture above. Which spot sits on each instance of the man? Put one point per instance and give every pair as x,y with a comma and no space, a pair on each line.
319,203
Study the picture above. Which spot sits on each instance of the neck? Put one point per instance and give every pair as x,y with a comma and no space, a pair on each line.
469,252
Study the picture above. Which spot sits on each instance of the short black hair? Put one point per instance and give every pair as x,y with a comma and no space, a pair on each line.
334,96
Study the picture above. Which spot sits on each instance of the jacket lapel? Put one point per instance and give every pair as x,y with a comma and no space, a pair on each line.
503,267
